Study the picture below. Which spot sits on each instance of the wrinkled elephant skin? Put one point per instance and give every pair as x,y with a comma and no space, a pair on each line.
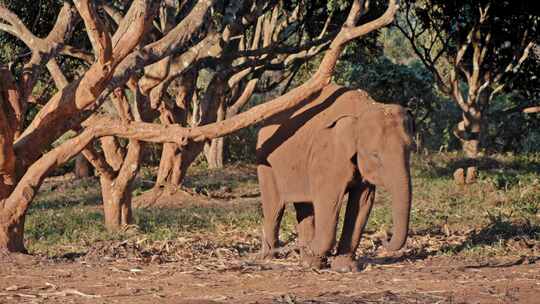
340,141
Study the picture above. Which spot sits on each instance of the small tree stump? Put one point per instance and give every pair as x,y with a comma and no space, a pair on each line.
459,176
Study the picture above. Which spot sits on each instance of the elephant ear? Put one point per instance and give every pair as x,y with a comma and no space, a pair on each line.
344,134
350,139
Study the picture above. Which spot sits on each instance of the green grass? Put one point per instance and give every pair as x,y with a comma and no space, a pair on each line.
57,231
498,215
169,223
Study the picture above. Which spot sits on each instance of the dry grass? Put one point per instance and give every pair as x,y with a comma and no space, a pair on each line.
498,216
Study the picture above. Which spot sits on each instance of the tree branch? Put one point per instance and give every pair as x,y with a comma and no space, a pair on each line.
530,110
97,160
99,37
57,74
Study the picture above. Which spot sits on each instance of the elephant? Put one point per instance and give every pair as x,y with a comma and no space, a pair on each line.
336,142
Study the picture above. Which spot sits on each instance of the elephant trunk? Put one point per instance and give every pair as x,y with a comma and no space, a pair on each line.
399,186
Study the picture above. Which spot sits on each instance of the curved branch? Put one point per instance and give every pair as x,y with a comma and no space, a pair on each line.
99,37
13,25
243,99
74,52
57,74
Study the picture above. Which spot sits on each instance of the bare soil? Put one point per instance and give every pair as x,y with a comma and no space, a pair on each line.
245,280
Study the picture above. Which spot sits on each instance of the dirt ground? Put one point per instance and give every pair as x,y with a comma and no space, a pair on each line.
246,280
208,268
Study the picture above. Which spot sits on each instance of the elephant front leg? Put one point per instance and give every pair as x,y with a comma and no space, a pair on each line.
358,209
326,216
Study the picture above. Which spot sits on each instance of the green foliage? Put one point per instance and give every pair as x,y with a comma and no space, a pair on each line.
240,146
396,47
510,129
63,226
397,83
167,223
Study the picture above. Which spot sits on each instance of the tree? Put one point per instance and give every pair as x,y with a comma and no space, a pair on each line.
474,50
515,125
119,54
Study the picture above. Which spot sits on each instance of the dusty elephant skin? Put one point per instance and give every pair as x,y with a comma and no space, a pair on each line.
340,142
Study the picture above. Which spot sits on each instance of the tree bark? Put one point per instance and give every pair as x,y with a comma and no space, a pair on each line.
169,174
116,192
214,149
116,204
173,166
11,233
166,165
214,153
64,109
532,110
468,132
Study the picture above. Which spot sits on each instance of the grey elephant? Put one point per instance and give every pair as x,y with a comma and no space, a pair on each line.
339,141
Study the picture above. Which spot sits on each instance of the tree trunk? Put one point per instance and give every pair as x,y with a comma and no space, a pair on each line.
169,167
11,233
116,191
185,158
214,150
166,164
214,153
471,149
469,132
116,204
173,167
82,167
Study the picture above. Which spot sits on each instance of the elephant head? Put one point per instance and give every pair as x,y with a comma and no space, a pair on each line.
379,141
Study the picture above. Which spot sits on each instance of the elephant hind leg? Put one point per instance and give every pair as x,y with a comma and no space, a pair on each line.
356,216
306,225
273,208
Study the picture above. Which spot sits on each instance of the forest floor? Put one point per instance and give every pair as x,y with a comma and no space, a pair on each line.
469,244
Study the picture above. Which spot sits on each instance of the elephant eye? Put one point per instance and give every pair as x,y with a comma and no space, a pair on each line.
374,155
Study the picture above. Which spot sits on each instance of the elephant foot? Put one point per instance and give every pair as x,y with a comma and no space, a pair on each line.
267,252
310,260
314,262
344,263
